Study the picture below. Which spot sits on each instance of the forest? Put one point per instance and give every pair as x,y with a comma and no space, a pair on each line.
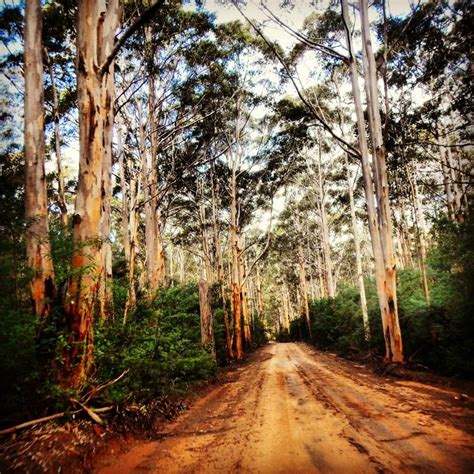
185,184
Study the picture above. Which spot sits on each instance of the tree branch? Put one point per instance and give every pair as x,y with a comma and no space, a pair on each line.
346,146
305,39
146,16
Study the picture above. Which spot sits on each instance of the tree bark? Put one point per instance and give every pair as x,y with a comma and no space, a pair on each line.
235,239
57,147
206,251
285,309
304,291
235,274
451,211
322,285
220,269
96,25
123,190
105,288
329,277
207,332
456,191
130,196
379,218
153,237
360,274
38,248
258,284
244,296
421,231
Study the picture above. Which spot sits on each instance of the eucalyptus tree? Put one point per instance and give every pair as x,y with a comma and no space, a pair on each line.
97,47
435,36
96,25
428,137
36,204
380,221
244,53
294,258
375,184
60,90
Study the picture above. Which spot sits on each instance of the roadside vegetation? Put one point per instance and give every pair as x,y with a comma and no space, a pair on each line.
175,190
437,337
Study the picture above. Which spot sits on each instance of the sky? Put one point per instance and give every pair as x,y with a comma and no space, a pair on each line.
294,16
224,12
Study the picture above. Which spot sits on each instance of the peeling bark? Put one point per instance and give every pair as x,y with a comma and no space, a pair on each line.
375,185
244,296
96,25
220,270
38,247
304,291
360,274
207,332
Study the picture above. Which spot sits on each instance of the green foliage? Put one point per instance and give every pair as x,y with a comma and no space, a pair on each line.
259,335
439,336
337,322
18,365
160,345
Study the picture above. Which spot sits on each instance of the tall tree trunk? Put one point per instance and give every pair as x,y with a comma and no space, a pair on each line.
258,283
57,146
124,190
153,237
421,231
207,332
464,186
322,285
285,309
457,194
445,168
105,289
325,233
405,239
220,269
379,219
244,296
38,248
97,22
235,273
182,265
388,284
235,237
130,196
206,251
360,274
304,291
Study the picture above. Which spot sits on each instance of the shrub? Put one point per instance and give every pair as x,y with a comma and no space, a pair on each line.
160,345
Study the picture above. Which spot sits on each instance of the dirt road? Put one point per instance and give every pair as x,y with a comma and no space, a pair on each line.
295,410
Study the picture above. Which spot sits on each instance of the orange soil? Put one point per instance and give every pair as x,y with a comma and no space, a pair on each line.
295,410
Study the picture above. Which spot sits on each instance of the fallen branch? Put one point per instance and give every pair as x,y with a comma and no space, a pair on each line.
45,419
91,414
96,390
35,422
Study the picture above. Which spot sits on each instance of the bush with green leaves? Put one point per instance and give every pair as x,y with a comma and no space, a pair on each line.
439,336
160,346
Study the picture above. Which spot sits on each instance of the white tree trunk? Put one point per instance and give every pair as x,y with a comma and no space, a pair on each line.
38,248
379,218
360,274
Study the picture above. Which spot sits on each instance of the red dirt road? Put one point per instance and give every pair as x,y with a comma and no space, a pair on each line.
295,410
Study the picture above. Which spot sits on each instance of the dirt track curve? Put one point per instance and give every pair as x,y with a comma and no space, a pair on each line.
295,410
